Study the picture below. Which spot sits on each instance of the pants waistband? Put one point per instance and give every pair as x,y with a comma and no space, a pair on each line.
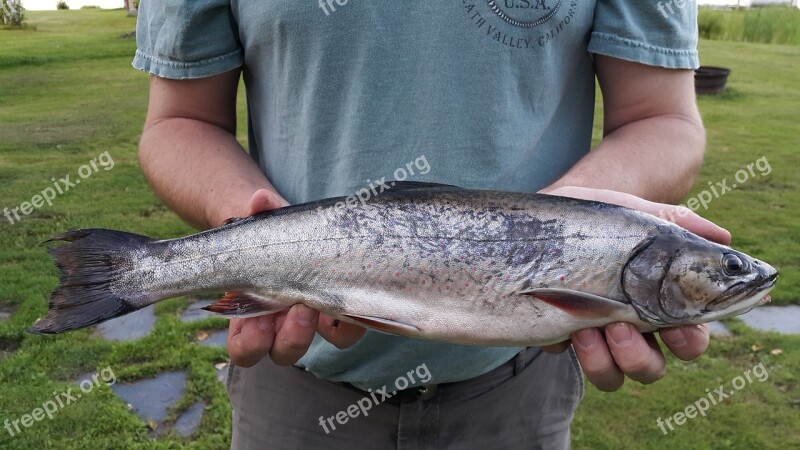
512,367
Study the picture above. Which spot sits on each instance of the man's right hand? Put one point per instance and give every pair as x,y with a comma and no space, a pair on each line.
190,156
286,335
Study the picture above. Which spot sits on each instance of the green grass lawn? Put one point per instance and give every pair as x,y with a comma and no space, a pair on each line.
68,94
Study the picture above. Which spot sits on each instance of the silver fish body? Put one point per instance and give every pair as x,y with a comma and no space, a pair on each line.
458,265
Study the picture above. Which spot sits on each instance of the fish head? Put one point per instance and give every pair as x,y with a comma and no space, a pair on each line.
680,278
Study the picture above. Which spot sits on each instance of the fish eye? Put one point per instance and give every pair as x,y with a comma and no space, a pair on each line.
732,264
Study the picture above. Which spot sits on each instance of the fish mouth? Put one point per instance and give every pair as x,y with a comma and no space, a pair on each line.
742,297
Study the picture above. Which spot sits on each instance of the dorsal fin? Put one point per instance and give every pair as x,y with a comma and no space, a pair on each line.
232,220
406,185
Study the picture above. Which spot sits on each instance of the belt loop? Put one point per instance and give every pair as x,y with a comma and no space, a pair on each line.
519,362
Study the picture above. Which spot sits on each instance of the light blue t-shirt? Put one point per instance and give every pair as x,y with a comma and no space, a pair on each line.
343,94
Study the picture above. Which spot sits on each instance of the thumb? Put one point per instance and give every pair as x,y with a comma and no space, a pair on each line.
265,200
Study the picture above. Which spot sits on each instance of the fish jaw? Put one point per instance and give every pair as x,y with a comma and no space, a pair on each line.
757,298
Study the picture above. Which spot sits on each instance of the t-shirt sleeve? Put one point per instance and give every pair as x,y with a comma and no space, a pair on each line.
657,33
182,39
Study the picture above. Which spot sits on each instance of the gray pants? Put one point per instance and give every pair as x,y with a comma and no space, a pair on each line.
527,402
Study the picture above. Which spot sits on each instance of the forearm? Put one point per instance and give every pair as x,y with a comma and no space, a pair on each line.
653,137
656,158
199,170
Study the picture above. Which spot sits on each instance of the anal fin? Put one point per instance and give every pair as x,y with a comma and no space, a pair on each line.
384,325
245,304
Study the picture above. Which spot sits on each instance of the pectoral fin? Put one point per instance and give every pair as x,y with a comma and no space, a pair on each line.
580,303
384,325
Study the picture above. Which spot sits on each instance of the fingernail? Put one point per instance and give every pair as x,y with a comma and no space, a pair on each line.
305,315
263,322
620,333
674,337
585,338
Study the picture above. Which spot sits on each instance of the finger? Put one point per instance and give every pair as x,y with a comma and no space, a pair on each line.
640,359
596,360
293,335
250,339
681,215
700,226
264,200
341,334
686,342
556,348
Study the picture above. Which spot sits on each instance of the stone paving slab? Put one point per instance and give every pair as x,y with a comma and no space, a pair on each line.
188,422
783,319
150,398
129,327
718,329
193,312
216,339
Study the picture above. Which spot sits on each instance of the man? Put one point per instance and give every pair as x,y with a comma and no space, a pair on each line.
495,95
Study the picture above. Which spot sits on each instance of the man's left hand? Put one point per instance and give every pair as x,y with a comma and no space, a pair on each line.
608,355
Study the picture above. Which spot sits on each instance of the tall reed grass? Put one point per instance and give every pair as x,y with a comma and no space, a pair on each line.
769,25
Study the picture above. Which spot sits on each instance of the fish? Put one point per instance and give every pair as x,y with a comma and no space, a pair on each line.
422,260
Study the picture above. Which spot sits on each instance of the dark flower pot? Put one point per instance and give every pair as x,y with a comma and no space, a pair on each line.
710,80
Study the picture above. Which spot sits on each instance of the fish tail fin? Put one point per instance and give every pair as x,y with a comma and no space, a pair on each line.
90,264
